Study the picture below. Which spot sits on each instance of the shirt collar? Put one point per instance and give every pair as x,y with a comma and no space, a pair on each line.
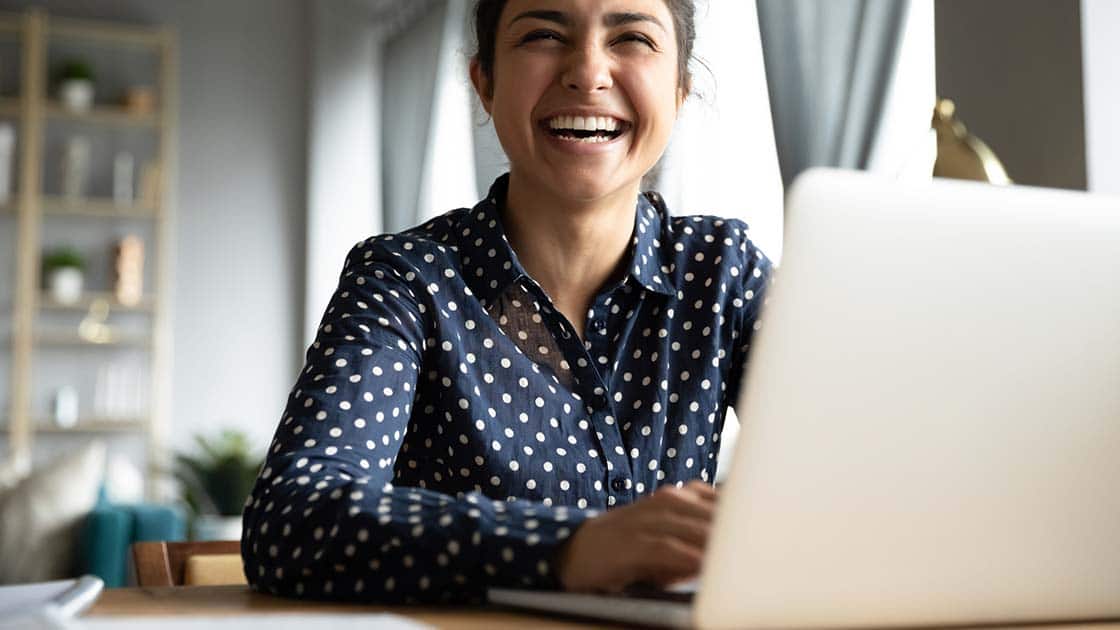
490,263
646,259
492,266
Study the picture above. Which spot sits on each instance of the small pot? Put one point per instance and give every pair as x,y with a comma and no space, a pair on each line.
215,527
76,95
65,284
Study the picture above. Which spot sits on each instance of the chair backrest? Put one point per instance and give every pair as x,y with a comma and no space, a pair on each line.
177,563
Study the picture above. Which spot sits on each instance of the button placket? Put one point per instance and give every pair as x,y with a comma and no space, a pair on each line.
588,383
620,473
609,433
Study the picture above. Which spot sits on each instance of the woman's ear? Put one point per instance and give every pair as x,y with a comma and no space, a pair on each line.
482,85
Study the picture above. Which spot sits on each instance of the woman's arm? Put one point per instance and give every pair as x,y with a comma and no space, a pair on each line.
324,519
755,271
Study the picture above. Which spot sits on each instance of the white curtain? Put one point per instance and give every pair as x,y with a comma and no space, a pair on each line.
905,145
851,83
721,159
343,196
448,174
390,130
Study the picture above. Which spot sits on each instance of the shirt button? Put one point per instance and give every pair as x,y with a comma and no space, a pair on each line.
618,485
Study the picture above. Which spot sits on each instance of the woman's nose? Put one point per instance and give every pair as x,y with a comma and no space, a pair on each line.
588,70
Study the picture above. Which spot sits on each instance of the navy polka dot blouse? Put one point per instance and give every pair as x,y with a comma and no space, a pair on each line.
450,429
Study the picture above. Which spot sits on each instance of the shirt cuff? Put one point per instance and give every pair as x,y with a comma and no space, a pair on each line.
520,540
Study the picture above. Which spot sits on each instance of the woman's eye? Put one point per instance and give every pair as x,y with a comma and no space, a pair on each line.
639,38
541,35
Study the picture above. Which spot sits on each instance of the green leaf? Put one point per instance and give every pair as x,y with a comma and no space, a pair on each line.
220,477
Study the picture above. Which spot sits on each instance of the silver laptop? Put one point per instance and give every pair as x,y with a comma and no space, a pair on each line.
931,419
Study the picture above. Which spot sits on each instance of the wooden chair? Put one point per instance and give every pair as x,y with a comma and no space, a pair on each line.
187,563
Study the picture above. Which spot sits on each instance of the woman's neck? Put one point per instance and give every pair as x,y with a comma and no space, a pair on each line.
570,248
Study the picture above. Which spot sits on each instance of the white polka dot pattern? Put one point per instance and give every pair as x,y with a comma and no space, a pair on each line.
450,430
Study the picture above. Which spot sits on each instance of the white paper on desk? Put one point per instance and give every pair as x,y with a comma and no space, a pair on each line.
23,597
65,597
259,621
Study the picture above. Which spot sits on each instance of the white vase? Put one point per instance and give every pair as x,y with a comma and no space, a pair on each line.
214,527
65,284
76,95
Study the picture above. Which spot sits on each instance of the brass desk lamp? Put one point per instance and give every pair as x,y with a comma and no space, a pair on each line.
961,155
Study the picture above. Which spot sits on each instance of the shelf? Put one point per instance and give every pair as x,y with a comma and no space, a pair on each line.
104,114
92,425
64,339
147,303
93,207
107,34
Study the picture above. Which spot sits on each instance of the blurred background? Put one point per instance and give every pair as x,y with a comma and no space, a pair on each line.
180,181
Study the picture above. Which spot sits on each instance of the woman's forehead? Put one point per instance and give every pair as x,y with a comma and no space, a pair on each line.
579,11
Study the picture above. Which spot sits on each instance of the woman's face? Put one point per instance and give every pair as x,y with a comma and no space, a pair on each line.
584,92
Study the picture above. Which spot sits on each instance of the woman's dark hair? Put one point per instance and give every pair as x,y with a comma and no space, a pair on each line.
488,12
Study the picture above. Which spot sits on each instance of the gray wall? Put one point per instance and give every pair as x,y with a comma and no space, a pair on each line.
238,251
1014,69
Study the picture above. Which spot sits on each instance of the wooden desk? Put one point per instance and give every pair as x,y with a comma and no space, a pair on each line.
240,600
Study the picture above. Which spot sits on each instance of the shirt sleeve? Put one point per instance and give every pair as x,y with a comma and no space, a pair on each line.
324,519
755,271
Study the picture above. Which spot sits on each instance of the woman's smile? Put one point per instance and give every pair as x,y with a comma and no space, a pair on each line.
585,131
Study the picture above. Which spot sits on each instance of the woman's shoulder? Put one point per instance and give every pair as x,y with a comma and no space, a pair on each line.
429,244
685,232
700,238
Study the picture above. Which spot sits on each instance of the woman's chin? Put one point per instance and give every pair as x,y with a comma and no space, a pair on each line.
586,185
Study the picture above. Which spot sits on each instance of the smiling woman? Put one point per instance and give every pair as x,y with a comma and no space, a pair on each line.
529,392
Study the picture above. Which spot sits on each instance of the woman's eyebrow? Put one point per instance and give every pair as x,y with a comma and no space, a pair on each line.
622,19
611,20
549,16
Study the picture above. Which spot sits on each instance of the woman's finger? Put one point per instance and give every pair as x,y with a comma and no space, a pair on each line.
692,530
669,560
702,490
686,502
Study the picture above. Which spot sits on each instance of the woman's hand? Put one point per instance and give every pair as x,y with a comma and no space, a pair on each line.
659,540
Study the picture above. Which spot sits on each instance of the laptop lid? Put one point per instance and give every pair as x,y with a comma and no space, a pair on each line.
931,415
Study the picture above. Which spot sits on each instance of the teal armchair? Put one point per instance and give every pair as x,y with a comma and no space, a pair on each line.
110,528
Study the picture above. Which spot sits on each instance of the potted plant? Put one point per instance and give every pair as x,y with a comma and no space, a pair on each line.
63,269
216,482
75,85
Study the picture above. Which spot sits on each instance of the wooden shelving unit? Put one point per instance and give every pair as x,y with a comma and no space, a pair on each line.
96,208
102,115
34,111
94,425
147,303
63,339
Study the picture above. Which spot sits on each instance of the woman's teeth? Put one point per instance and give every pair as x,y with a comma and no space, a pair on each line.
584,123
586,129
